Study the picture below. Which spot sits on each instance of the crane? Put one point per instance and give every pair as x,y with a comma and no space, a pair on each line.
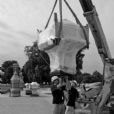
92,18
94,23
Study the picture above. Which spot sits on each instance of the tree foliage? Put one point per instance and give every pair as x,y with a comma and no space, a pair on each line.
97,76
7,67
37,68
89,78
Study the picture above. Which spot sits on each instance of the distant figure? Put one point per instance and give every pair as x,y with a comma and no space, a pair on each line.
57,89
72,97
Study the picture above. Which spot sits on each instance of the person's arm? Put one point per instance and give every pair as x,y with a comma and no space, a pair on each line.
68,85
77,94
60,83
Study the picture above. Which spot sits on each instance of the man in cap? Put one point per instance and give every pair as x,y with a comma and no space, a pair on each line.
57,89
72,97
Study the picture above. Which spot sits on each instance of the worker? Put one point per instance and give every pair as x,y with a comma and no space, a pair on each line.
72,97
111,104
57,89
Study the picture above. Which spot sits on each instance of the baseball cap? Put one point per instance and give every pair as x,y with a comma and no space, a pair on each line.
54,78
74,81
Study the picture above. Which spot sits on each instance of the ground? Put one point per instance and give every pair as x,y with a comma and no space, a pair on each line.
26,104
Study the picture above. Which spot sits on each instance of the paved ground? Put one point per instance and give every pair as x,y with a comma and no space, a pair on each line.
26,104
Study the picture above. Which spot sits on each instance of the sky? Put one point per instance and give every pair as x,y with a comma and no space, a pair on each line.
19,20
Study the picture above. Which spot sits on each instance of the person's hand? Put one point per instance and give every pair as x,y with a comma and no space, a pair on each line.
68,85
60,81
59,85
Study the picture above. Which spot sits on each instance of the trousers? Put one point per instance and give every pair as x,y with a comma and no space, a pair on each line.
59,109
70,110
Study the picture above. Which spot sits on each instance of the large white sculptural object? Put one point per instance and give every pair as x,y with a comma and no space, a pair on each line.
63,56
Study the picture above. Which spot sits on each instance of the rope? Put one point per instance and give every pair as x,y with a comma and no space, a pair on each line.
44,59
78,22
51,14
60,8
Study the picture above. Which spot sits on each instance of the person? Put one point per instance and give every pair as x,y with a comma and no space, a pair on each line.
72,97
57,89
111,104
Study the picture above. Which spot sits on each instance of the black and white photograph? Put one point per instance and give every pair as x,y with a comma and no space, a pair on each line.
56,57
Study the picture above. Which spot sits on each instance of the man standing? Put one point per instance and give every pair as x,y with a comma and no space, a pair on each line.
57,89
72,97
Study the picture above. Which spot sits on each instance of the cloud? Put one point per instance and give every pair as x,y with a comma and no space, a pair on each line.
20,18
4,25
6,34
25,34
12,43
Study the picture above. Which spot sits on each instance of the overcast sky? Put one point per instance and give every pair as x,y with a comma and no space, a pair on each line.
19,20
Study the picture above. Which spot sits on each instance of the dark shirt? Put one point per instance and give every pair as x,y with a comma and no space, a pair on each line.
58,94
72,96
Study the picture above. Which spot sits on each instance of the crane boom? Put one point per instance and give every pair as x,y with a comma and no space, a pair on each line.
94,23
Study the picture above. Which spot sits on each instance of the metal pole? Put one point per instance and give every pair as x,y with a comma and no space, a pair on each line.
60,11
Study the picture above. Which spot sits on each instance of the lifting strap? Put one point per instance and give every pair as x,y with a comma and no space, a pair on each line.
78,22
51,14
60,11
44,59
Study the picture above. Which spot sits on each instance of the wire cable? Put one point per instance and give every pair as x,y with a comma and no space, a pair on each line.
51,14
78,22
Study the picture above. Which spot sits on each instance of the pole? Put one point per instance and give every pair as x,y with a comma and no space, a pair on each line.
60,11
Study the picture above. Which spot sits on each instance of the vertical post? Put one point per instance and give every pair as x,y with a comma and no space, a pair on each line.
60,10
56,25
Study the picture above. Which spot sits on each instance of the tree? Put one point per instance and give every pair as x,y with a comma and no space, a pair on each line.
79,78
98,77
27,73
87,78
7,66
37,68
